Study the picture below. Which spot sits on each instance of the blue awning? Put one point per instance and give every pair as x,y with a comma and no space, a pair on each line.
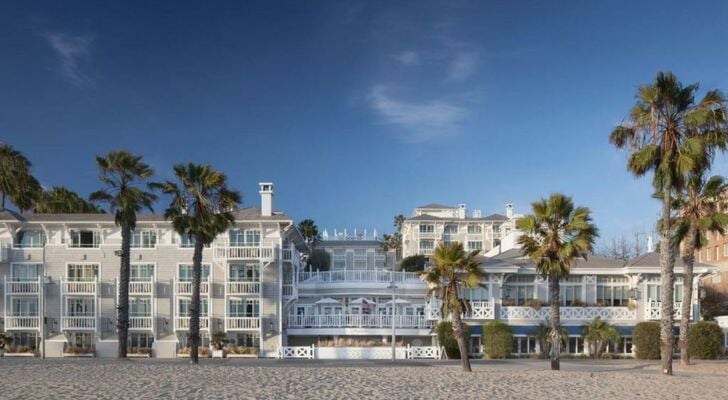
475,329
624,330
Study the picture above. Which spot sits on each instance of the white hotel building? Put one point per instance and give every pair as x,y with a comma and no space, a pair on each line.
63,269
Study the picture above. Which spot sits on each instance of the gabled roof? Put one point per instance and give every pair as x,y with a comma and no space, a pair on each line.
515,256
425,217
652,259
242,214
437,206
496,217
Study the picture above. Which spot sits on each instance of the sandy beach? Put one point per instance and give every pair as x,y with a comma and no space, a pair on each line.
275,379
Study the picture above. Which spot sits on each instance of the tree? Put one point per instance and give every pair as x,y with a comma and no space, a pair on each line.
452,270
598,333
16,182
413,263
320,259
622,247
669,134
124,176
554,237
311,235
543,336
200,208
60,200
701,211
394,241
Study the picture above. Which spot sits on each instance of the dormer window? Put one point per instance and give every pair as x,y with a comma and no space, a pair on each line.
143,239
30,239
83,238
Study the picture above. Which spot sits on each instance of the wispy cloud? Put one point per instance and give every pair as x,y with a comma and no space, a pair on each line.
421,121
463,65
71,50
408,57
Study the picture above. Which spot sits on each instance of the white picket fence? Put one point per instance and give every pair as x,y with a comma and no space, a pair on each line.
360,353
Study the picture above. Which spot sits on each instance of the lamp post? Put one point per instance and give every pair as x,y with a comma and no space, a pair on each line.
394,314
44,331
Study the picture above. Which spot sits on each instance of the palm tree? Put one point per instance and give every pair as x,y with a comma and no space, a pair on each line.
453,269
394,241
60,200
124,176
201,208
310,234
543,336
670,135
399,222
599,333
16,182
554,237
701,211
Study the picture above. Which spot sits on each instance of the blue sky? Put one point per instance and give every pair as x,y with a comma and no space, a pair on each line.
356,110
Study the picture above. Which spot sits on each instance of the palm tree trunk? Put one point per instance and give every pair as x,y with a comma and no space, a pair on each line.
687,300
667,264
123,307
194,329
554,288
458,332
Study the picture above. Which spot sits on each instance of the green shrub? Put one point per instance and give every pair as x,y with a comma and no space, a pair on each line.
320,260
414,263
646,339
446,338
497,339
704,339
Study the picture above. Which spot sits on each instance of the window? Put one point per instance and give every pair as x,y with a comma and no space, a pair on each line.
25,272
186,241
725,250
451,229
475,228
82,340
475,245
717,253
707,254
476,294
78,307
612,291
22,307
24,339
243,308
654,292
83,272
185,272
524,345
518,290
575,345
143,239
427,245
30,239
427,228
185,307
247,340
140,307
571,295
85,238
245,238
141,272
244,272
141,339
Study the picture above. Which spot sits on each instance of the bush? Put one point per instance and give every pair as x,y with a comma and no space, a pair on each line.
446,338
414,263
320,260
497,339
646,339
704,339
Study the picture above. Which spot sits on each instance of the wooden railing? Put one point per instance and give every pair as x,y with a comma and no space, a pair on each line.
242,323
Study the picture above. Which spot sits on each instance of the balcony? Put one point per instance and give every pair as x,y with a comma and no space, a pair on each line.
22,323
288,290
479,309
287,255
356,321
183,323
141,288
242,288
185,288
242,323
141,323
429,235
78,287
25,287
380,276
568,313
653,310
242,253
78,323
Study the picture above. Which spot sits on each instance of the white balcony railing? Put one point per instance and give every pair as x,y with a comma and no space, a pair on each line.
238,288
141,323
79,287
22,287
13,322
287,254
243,253
242,323
653,310
568,313
185,288
356,321
479,309
358,276
141,288
183,323
78,323
288,290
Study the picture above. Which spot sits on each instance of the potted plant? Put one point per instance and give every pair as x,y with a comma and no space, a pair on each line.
534,303
219,340
5,341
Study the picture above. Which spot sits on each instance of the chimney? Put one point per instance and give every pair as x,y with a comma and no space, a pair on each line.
266,198
650,245
461,211
509,210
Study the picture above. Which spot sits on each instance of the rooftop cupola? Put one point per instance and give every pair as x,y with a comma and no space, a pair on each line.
509,210
461,211
266,198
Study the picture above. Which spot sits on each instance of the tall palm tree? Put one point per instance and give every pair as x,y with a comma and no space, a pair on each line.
310,234
124,176
201,208
701,211
16,182
555,236
599,333
453,269
394,241
669,134
60,200
399,222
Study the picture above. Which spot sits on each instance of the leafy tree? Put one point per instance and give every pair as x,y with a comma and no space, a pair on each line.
124,176
414,263
310,232
394,241
453,269
446,338
320,259
701,211
669,134
60,200
201,209
16,182
598,333
555,236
